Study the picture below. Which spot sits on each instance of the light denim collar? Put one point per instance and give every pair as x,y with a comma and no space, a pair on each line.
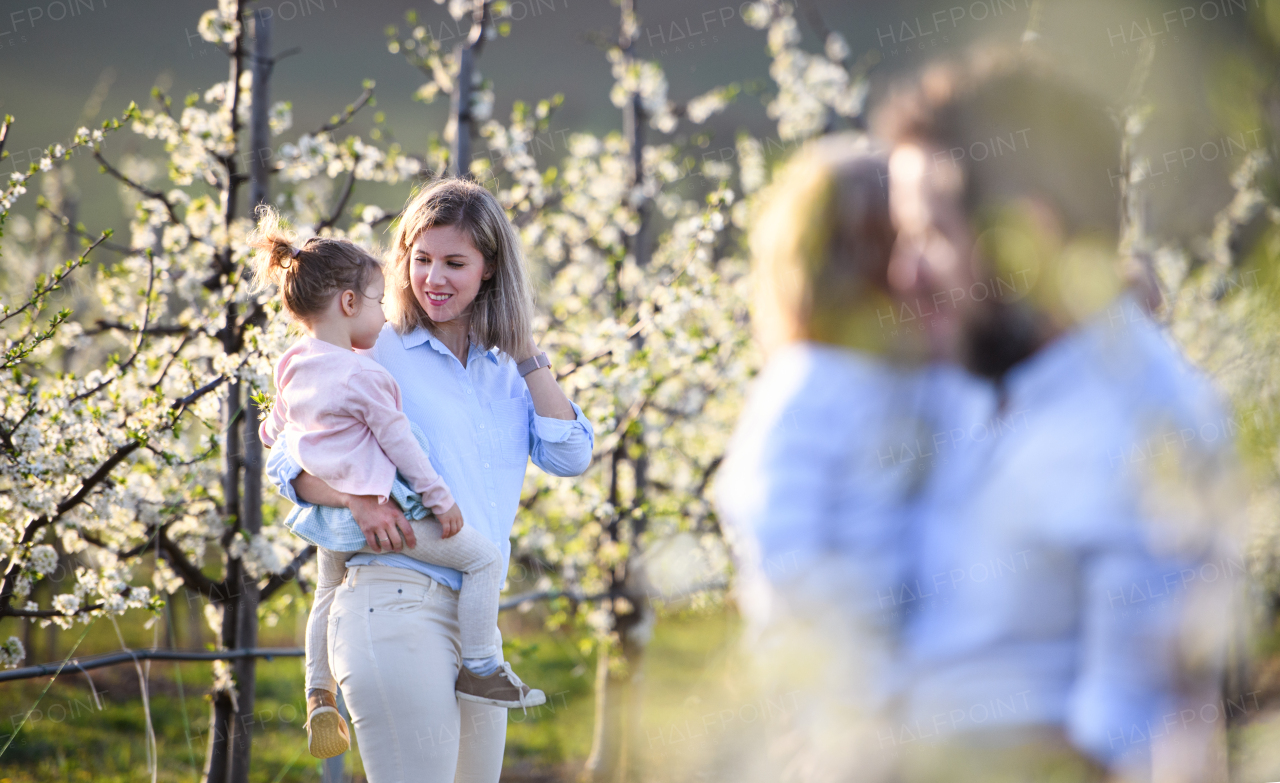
421,335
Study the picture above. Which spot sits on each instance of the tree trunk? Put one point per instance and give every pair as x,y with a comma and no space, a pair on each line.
225,702
460,107
217,758
617,741
251,502
460,101
194,609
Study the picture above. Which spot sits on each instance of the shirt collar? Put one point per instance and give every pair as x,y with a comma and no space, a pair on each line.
422,335
1078,352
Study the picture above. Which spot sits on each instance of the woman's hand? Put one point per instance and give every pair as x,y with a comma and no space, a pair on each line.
549,399
381,523
529,350
378,521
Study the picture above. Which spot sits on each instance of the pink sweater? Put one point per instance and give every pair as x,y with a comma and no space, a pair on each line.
347,425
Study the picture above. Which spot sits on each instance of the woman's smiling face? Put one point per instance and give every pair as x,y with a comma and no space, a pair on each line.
446,271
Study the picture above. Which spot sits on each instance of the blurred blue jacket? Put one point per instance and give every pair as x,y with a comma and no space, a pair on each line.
1016,554
1050,580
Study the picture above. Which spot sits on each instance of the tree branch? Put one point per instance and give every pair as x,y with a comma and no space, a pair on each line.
87,485
172,358
706,474
387,218
283,578
142,335
342,202
76,231
37,297
191,575
138,186
347,114
109,326
39,613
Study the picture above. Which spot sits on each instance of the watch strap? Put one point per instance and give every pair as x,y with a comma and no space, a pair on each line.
533,363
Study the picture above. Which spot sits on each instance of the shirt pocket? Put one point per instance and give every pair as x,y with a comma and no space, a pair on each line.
511,430
397,598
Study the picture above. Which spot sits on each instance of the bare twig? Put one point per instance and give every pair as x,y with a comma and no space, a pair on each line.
137,346
138,186
173,357
347,114
632,332
342,202
116,326
814,17
387,218
76,231
54,280
707,472
161,98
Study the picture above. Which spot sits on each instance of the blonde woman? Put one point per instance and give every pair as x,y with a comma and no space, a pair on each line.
459,344
839,380
820,477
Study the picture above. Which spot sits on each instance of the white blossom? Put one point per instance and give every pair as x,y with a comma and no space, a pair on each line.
43,559
67,603
12,653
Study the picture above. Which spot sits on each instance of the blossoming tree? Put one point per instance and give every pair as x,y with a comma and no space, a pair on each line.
644,314
139,456
145,453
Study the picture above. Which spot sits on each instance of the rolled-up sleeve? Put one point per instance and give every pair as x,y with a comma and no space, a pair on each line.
561,447
1129,635
282,469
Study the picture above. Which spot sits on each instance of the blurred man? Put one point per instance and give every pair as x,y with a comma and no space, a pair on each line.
1064,623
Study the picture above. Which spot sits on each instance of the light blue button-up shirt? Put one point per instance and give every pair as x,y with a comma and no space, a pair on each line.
1011,552
833,448
1046,587
483,431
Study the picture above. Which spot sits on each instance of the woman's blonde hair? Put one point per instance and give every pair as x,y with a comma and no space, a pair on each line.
502,313
820,247
307,276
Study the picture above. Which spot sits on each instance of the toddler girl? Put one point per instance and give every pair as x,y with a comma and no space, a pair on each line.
342,415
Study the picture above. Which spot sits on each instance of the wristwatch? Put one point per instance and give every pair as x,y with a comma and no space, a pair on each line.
532,363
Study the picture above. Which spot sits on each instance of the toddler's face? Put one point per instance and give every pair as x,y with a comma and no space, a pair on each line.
369,321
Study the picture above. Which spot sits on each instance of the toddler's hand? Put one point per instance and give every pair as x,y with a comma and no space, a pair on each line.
450,521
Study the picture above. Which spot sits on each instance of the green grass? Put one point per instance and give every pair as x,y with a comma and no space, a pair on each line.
67,738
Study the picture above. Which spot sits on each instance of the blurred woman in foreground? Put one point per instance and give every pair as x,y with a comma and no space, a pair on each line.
829,451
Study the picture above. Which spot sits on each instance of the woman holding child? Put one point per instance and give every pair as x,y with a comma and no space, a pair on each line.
428,702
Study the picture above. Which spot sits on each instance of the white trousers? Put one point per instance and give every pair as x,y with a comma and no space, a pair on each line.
396,649
468,551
